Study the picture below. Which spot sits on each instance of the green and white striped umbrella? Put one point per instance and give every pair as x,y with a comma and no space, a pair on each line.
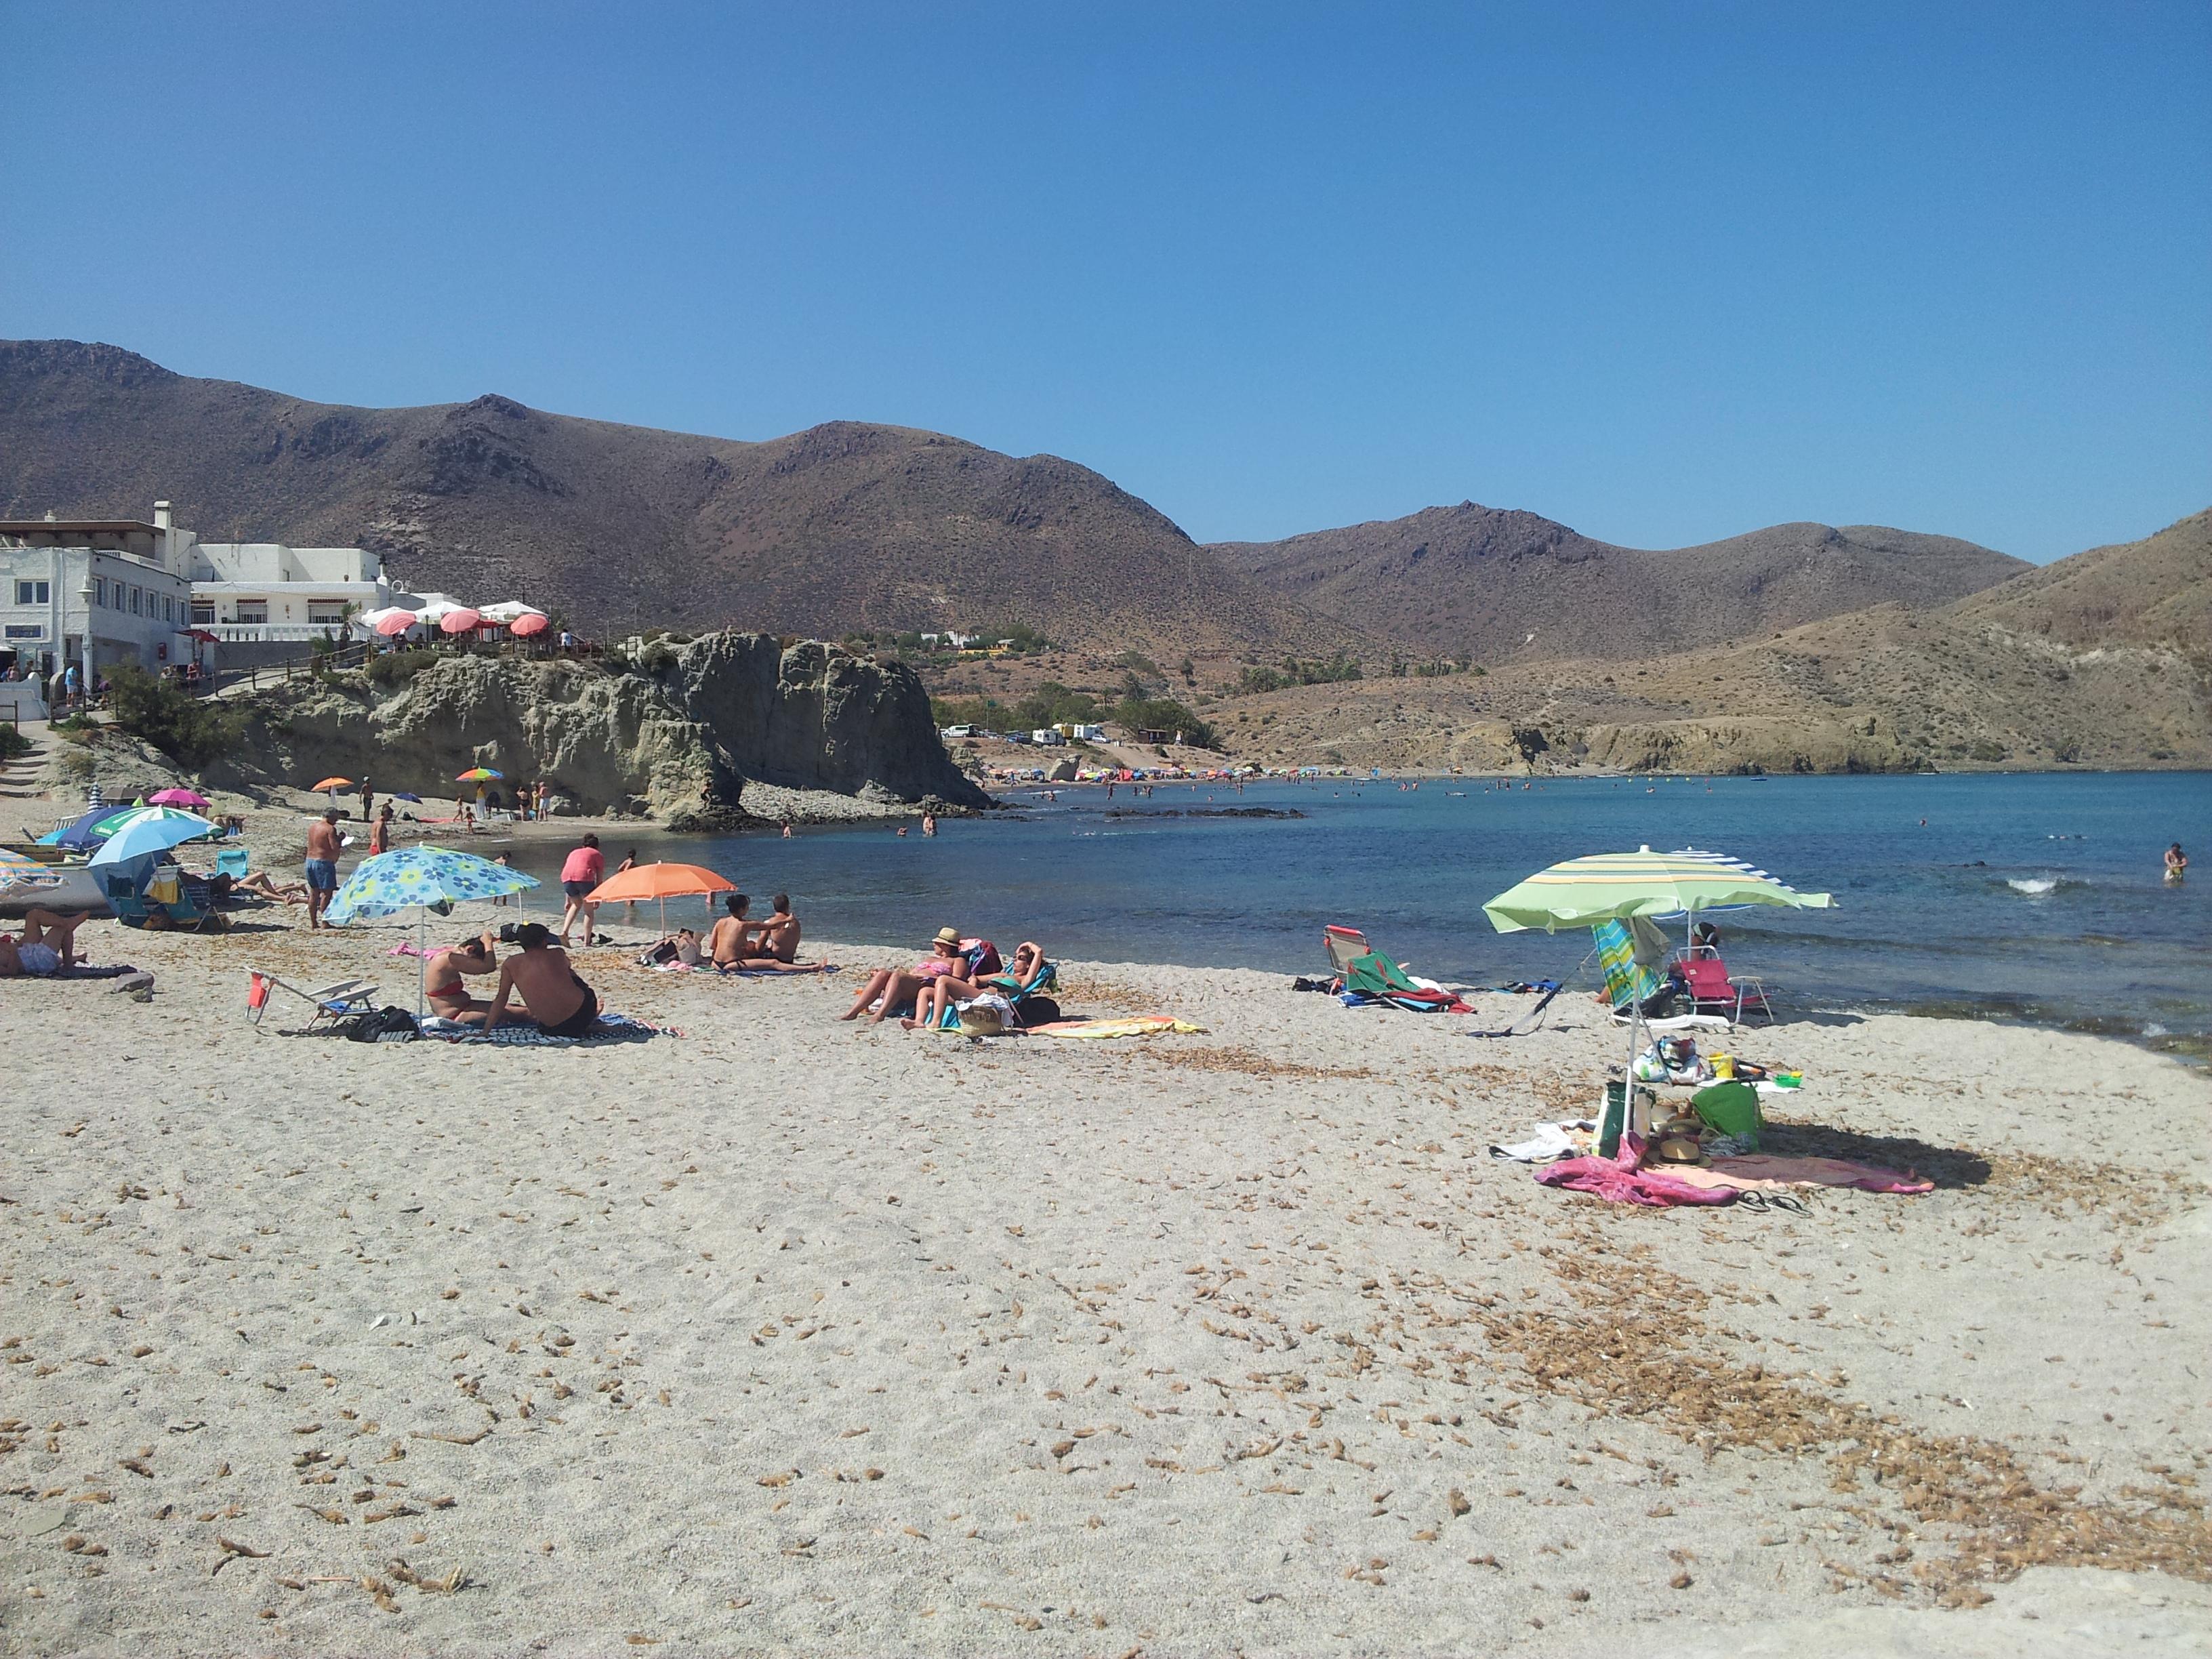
1613,886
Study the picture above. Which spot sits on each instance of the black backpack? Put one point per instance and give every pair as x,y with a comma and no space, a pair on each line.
385,1024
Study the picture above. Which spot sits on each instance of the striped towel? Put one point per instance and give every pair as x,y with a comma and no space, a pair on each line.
1626,980
611,1028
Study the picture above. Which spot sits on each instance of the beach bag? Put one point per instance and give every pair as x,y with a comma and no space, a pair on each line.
385,1024
663,951
982,958
1036,1010
1729,1109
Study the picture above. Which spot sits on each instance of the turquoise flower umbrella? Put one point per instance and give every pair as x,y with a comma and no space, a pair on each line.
431,877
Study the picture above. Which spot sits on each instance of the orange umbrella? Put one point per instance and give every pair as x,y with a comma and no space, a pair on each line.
524,626
333,785
658,881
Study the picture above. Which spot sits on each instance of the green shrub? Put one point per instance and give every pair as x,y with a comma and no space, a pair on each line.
12,743
1988,752
183,727
396,668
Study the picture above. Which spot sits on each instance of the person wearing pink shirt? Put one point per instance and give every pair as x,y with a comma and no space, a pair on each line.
584,870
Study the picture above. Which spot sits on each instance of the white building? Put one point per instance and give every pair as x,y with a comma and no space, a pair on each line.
257,591
92,591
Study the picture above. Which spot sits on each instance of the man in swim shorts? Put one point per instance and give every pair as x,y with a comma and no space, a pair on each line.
539,973
584,869
46,945
322,867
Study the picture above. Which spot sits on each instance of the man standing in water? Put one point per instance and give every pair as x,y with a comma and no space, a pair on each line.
2177,864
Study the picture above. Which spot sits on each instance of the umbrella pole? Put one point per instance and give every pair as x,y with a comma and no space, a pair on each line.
422,962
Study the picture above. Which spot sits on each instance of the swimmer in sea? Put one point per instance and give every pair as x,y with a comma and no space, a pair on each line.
2177,864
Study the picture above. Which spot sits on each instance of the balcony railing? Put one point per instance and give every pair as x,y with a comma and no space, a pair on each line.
244,633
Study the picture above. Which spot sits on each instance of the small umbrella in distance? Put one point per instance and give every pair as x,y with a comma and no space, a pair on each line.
178,798
463,621
478,774
525,627
658,881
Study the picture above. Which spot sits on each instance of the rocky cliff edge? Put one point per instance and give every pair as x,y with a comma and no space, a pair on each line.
727,728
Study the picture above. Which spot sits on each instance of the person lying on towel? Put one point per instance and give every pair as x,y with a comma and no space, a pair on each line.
559,1002
46,945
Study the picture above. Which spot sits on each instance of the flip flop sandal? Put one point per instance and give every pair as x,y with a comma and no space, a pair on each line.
1789,1202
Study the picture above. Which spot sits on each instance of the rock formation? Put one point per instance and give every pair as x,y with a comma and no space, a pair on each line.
726,728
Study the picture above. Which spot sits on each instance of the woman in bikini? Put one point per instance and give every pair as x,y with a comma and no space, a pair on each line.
895,987
441,980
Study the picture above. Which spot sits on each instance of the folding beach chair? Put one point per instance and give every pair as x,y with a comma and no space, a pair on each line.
233,861
1628,983
331,1002
1714,992
1345,945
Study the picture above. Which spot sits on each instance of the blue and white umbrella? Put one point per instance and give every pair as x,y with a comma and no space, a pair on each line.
148,830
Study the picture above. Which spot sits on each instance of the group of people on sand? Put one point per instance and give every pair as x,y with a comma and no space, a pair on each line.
955,976
538,986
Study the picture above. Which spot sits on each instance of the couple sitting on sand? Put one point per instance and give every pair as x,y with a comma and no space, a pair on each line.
740,946
954,975
536,985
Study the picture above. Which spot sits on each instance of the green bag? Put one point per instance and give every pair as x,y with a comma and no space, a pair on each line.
1729,1109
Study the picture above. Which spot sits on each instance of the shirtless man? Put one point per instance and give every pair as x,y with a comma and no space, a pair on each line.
441,978
759,947
540,974
48,944
322,867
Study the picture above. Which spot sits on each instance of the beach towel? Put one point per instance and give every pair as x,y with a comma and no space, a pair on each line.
1627,980
86,970
611,1028
1551,1142
1131,1025
1622,1182
1375,978
1771,1170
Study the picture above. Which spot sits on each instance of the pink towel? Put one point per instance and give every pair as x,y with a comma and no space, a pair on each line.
1624,1183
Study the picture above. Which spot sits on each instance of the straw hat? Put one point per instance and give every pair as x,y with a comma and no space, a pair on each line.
948,936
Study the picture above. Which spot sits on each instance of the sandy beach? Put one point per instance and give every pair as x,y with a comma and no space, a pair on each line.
789,1334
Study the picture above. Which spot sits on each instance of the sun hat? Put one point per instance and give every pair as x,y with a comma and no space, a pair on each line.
948,936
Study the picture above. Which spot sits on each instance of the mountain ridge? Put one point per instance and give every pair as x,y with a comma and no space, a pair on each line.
1492,585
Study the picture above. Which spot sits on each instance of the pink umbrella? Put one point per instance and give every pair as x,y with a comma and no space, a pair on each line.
523,626
176,798
396,624
464,621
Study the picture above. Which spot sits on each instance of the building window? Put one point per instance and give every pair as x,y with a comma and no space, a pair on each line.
203,613
33,592
137,595
99,590
252,610
326,616
168,607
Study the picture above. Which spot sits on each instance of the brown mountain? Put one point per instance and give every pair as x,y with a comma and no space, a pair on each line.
1495,586
839,527
2104,659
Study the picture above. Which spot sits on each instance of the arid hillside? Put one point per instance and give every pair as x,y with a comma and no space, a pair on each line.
2100,659
1474,583
841,528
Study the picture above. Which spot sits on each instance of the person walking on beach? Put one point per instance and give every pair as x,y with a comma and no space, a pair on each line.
503,857
322,867
584,869
367,801
2177,864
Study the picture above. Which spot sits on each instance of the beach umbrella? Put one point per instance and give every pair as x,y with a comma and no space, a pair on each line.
332,785
401,794
16,871
478,774
86,830
176,798
524,627
392,621
150,829
461,621
1617,887
430,877
658,881
508,611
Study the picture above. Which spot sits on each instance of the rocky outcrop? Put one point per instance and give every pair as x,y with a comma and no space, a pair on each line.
822,732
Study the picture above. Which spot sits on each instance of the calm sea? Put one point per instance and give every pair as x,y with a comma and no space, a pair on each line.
2033,898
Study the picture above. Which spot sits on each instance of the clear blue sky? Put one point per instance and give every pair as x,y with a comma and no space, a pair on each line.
1664,272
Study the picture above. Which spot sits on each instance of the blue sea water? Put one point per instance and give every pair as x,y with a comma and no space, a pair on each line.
2033,896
